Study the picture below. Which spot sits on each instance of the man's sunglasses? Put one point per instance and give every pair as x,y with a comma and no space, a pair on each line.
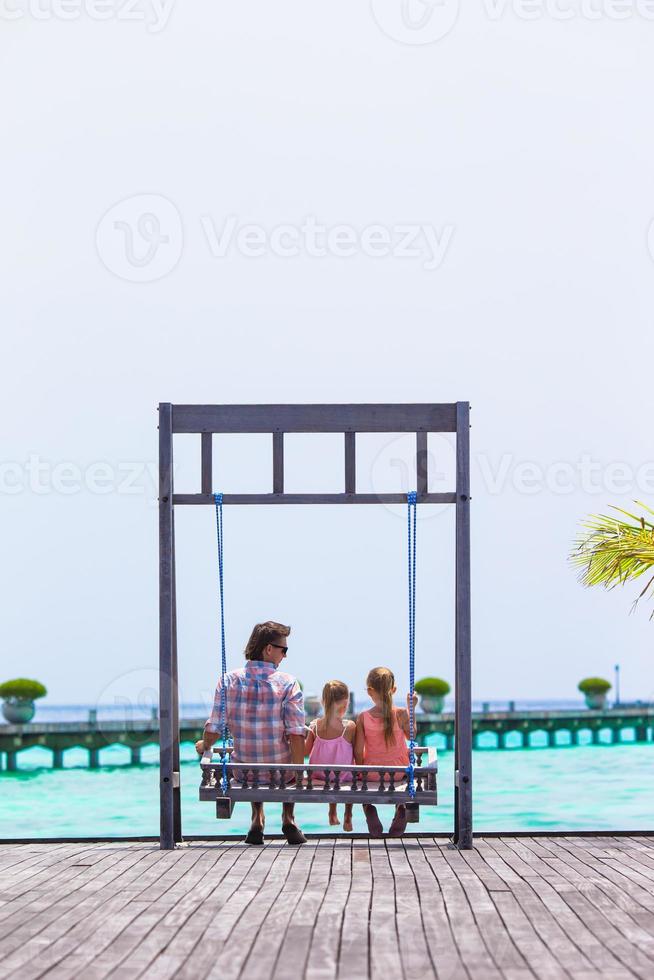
280,647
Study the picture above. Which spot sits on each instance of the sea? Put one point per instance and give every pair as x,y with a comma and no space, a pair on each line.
584,787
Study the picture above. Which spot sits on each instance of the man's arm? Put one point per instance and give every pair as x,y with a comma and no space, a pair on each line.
207,741
213,725
293,714
296,743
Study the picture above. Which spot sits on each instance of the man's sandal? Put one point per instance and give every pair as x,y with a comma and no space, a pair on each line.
293,834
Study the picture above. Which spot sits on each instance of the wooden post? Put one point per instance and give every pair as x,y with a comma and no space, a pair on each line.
463,693
167,695
57,758
350,463
135,756
206,462
94,758
422,474
177,788
278,462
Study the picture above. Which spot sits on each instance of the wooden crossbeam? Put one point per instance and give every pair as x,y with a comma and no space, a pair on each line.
314,498
314,418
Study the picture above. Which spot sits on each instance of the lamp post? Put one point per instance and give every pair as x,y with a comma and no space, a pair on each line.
617,685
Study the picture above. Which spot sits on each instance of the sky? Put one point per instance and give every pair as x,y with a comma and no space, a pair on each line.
330,202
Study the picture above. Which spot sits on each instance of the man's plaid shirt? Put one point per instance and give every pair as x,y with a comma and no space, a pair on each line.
264,707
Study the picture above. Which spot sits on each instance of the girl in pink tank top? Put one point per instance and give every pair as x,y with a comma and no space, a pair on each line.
331,741
381,740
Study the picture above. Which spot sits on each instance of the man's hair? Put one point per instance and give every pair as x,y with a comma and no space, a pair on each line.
262,635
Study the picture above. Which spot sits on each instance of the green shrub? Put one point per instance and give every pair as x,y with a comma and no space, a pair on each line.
433,687
22,689
594,685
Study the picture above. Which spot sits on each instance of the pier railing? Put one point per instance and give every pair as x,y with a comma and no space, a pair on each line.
94,735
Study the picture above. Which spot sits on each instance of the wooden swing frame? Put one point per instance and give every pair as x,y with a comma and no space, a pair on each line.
276,420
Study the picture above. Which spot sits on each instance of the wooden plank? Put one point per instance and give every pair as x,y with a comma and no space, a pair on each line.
36,906
292,963
323,959
189,921
625,931
315,418
438,931
354,951
545,908
463,669
269,941
497,938
350,462
608,864
185,499
206,453
147,934
231,900
541,920
166,632
384,943
575,949
230,962
415,954
556,893
37,885
472,948
112,940
78,951
42,941
278,462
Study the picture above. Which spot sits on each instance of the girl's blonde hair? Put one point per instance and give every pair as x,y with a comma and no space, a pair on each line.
332,693
382,681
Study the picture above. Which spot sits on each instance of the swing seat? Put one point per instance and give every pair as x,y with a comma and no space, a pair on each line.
266,782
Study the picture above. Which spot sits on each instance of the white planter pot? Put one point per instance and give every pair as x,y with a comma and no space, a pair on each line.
18,712
596,700
432,704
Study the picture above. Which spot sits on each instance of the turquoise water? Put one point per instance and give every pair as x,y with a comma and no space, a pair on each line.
602,787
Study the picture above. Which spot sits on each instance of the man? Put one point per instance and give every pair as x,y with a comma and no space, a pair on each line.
265,717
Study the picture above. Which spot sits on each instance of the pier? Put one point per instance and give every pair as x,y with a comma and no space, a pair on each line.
559,728
508,728
511,908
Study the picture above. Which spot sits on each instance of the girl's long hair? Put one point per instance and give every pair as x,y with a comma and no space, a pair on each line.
382,681
332,692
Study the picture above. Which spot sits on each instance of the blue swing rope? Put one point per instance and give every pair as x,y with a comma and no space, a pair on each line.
218,500
412,502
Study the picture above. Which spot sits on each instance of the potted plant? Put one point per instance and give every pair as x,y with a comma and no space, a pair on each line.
594,690
432,691
18,699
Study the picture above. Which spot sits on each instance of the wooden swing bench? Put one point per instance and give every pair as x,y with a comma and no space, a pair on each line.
283,783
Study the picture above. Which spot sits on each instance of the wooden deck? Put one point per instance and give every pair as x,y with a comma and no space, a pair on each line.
514,907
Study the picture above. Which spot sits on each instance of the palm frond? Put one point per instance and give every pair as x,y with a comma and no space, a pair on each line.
612,551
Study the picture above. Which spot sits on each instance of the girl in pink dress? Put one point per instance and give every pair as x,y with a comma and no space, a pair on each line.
331,740
381,740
